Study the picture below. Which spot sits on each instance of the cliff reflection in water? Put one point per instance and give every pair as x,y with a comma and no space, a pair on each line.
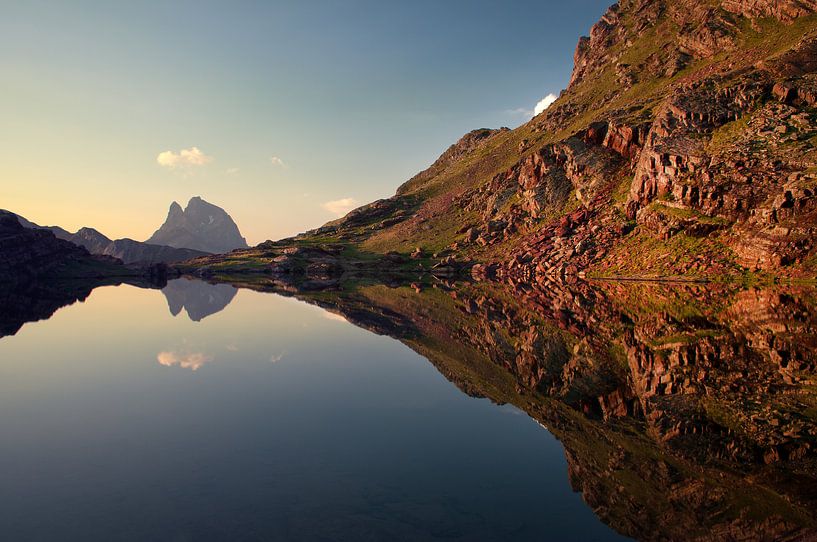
686,412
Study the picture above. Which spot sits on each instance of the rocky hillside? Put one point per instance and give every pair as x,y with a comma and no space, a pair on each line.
685,145
201,226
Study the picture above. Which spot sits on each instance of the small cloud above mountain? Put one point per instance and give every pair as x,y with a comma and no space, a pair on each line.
276,161
340,207
185,157
544,103
540,106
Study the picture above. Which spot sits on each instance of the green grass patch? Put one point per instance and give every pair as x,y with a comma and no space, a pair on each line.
728,133
689,214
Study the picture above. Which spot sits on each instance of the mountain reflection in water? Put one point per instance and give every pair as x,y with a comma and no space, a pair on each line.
200,299
686,412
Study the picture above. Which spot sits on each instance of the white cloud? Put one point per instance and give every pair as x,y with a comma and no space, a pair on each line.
185,157
276,161
193,361
544,103
232,171
340,207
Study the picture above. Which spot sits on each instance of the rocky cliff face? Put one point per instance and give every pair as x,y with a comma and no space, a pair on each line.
201,226
718,143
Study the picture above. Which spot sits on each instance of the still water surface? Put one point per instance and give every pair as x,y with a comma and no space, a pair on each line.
268,420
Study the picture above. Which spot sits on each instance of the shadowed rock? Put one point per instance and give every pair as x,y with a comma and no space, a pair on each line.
26,254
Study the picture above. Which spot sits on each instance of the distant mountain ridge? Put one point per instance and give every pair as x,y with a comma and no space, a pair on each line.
27,253
201,226
199,230
127,250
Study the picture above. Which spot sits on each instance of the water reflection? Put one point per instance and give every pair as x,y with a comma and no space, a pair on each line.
39,300
200,299
186,360
684,411
350,435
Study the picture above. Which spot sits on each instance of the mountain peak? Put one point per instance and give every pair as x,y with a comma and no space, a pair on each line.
201,226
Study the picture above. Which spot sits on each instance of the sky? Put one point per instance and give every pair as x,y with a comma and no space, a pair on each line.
286,114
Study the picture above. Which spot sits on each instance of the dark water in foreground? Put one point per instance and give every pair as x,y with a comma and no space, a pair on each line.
270,420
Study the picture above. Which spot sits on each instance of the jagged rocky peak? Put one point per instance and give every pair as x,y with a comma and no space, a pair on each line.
201,226
175,212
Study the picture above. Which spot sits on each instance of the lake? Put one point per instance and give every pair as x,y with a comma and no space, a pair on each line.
205,412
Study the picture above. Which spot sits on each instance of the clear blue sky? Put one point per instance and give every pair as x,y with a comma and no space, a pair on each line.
290,104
